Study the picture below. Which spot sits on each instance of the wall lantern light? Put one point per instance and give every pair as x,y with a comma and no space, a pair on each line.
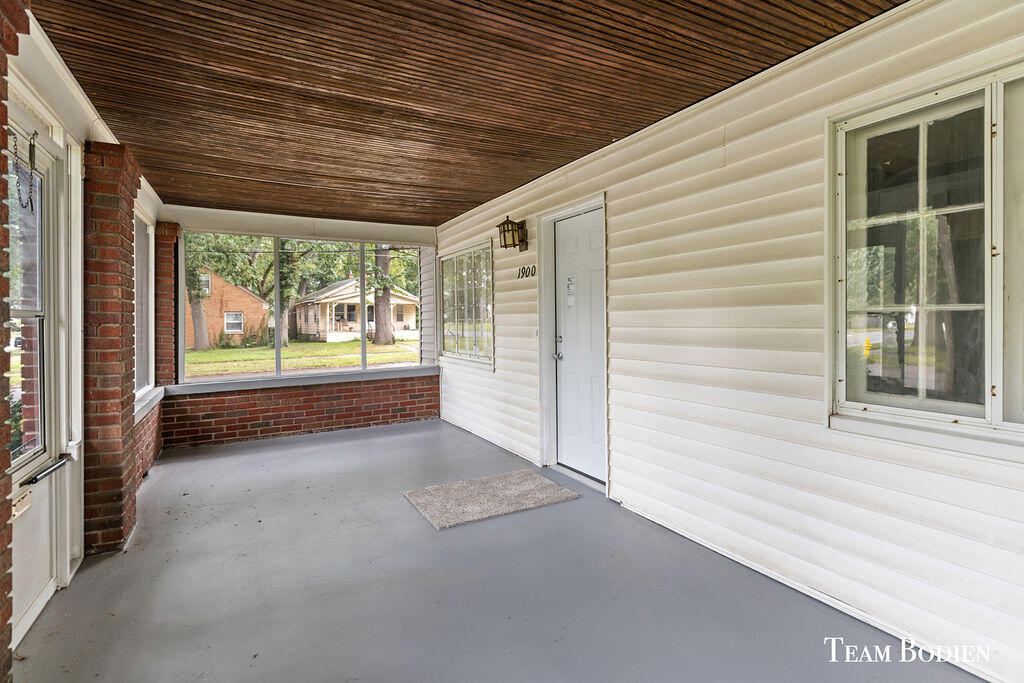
512,234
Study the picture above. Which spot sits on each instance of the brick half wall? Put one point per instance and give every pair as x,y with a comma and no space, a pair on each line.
246,414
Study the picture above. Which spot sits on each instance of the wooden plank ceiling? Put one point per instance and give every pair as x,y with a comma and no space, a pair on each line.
406,111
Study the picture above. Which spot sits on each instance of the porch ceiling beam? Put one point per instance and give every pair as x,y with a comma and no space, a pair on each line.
300,227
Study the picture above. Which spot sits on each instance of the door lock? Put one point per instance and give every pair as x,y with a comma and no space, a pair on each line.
558,339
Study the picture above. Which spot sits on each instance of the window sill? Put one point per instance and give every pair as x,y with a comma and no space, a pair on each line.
146,400
985,441
306,379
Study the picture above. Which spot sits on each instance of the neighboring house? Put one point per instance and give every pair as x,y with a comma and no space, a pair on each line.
230,309
332,313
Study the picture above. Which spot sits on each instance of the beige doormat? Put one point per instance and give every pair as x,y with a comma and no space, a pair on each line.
459,502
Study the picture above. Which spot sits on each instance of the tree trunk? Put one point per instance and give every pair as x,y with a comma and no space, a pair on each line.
289,309
383,329
286,323
201,337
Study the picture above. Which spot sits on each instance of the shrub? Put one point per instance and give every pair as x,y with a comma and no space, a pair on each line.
257,335
224,341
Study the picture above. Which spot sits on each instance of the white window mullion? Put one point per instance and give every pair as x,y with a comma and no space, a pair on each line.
920,319
839,346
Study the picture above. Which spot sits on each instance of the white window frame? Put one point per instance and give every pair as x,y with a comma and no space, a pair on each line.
906,423
474,359
142,393
365,372
241,322
207,281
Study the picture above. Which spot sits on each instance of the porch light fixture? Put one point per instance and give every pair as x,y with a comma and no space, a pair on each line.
512,234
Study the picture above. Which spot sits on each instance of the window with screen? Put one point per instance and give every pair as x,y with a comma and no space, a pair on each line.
924,259
466,289
25,198
915,260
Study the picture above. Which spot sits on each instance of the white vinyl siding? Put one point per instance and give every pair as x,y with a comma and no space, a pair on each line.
428,306
719,346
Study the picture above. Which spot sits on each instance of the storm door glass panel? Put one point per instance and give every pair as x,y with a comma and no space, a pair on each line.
24,199
25,205
915,260
322,275
229,306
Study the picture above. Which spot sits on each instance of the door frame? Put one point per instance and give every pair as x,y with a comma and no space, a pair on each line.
546,289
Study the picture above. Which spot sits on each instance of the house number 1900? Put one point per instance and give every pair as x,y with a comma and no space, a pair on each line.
527,271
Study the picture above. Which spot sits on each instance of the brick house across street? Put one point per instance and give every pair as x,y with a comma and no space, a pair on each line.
230,311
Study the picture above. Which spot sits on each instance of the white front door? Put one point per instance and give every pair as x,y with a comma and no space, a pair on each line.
580,343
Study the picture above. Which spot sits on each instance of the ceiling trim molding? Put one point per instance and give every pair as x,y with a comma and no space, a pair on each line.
300,227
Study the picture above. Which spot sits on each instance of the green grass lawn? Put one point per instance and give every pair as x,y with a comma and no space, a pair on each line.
295,356
14,374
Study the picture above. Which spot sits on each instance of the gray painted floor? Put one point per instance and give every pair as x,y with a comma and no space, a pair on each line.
298,559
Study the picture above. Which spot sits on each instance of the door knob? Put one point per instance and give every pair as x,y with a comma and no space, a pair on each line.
557,355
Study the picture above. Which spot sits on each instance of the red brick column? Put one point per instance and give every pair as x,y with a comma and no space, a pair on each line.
165,271
111,478
14,20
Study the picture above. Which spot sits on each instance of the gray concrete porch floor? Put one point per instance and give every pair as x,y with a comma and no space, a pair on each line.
298,559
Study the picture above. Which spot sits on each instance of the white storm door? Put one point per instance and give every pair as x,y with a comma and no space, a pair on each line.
32,207
580,343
